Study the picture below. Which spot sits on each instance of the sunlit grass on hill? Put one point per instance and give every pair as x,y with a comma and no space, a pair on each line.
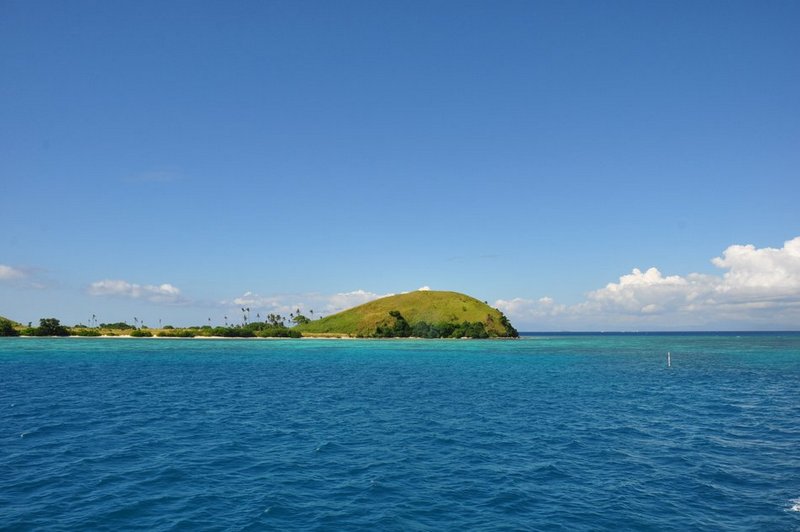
428,306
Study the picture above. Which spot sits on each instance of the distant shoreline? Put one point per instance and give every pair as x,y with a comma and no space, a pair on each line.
537,334
154,337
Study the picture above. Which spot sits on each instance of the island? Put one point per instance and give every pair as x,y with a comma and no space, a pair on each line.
420,314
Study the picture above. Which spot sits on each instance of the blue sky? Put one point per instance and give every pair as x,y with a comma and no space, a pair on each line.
164,159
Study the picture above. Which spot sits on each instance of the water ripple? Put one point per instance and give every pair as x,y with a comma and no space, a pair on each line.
546,434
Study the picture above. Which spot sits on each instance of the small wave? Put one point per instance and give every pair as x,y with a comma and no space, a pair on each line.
297,440
326,446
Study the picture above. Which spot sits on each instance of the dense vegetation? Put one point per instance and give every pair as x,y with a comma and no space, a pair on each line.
7,327
250,330
275,327
120,326
398,327
85,331
172,332
47,327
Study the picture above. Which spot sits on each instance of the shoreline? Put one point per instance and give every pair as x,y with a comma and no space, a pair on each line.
344,337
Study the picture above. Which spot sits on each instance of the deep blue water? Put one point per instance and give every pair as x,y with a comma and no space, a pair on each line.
544,433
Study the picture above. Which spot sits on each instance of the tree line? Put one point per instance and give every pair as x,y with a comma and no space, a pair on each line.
274,327
398,327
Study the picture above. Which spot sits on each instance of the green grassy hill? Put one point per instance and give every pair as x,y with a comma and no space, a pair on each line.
433,307
13,323
8,327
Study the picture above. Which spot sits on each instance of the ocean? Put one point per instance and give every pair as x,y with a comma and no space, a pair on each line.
549,432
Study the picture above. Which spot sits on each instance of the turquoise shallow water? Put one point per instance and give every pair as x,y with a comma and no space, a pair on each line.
546,433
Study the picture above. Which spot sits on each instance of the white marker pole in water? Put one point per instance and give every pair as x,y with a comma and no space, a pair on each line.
669,360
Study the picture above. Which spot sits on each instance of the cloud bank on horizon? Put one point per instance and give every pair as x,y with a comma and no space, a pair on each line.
321,304
29,278
758,288
8,273
163,293
761,288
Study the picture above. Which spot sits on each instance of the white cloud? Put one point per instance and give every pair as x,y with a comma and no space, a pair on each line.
263,305
249,299
761,287
766,272
530,311
9,273
345,300
321,304
425,288
163,293
650,289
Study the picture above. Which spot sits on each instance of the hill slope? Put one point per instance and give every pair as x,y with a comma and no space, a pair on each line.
432,307
12,322
8,327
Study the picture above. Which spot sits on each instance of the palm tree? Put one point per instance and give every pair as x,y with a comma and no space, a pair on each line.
226,321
